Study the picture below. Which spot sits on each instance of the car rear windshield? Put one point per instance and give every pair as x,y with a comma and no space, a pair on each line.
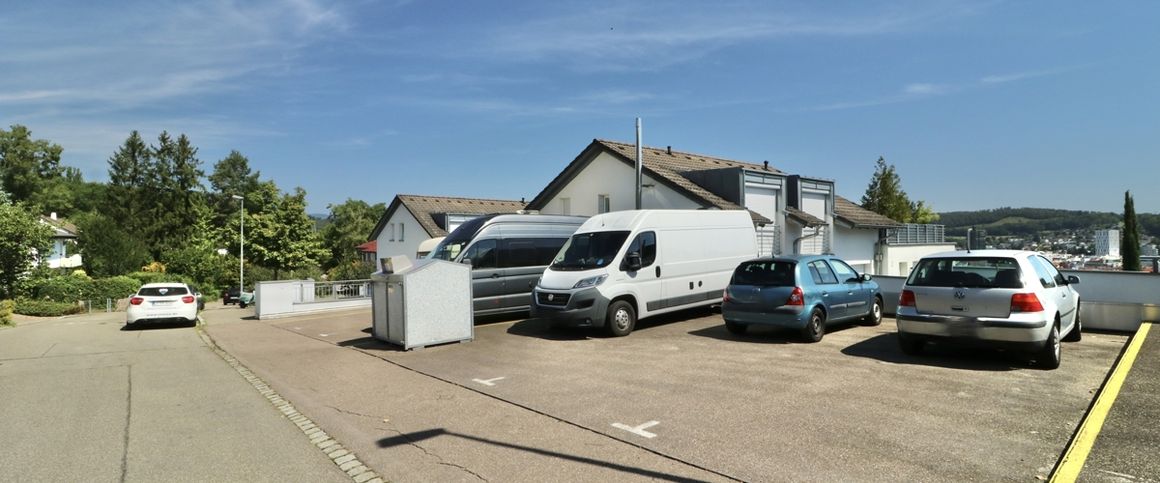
766,272
162,291
978,272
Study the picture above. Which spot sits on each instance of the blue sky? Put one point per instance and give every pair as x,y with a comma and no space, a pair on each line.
978,104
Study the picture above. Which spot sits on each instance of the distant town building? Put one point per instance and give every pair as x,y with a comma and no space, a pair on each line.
1149,250
1107,243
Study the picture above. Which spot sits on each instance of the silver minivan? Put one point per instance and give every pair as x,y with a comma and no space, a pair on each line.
507,253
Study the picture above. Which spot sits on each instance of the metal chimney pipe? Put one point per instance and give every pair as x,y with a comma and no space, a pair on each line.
639,163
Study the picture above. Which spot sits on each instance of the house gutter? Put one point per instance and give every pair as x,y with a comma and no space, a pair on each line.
797,243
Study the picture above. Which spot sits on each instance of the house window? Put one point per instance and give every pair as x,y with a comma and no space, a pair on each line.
565,206
401,226
603,204
392,231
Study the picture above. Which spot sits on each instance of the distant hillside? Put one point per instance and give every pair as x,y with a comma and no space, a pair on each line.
1026,221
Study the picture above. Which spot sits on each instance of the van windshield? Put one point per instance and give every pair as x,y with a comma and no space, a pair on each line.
585,251
454,243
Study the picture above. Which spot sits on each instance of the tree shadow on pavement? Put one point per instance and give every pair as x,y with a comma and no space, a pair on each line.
409,439
885,348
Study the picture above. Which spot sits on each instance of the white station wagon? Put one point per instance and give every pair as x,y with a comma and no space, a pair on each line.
1001,297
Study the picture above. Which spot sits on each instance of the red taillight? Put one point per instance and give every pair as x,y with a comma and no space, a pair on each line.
906,299
797,297
136,301
187,299
1025,302
726,297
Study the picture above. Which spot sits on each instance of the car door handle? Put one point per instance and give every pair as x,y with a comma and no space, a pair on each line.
825,294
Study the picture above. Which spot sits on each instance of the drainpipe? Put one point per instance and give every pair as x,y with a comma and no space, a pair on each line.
797,243
639,163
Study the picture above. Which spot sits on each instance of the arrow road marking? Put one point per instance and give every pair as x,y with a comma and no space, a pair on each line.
487,382
639,430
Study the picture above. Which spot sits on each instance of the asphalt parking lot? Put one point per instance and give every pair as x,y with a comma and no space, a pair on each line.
766,407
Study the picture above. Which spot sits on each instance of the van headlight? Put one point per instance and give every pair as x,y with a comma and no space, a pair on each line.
591,281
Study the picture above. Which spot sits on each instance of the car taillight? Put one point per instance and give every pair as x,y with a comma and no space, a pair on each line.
136,301
187,299
797,297
726,297
906,299
1025,302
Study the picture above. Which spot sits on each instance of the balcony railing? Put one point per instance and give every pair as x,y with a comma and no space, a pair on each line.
917,234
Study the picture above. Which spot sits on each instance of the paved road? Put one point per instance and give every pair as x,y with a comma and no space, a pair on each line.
83,400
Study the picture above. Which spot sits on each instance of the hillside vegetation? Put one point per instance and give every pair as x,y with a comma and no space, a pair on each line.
1028,221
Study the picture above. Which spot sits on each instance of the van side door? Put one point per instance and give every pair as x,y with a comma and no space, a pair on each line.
523,261
486,275
647,279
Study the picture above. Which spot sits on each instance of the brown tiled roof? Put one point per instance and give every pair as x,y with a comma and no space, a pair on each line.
860,217
63,228
425,208
369,247
803,217
667,166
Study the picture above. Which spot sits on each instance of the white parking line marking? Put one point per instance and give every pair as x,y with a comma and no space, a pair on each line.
638,430
488,382
324,335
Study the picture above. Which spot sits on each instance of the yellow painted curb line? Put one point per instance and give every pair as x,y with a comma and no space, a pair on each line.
1081,444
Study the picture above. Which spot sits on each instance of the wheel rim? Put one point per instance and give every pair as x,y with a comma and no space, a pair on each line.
1055,343
622,319
816,325
877,310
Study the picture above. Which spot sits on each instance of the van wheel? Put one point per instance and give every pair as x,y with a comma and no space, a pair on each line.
875,316
735,328
1048,357
621,319
815,327
1077,328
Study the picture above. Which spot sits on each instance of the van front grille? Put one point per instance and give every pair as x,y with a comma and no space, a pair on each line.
557,299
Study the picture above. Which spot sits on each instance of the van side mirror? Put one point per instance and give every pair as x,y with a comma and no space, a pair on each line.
1072,279
466,261
632,261
865,277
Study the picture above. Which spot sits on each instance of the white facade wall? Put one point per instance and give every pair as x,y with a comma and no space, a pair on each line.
1107,243
897,260
389,242
607,175
856,247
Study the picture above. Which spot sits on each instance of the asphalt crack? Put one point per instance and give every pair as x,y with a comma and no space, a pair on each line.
441,461
128,419
355,413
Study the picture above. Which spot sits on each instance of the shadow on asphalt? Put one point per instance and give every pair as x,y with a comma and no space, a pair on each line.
407,439
885,348
370,343
757,334
159,325
542,329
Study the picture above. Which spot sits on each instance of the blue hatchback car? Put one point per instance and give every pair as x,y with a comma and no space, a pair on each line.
803,292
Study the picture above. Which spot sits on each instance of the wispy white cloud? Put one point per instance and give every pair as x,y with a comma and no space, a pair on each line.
1027,74
615,96
924,90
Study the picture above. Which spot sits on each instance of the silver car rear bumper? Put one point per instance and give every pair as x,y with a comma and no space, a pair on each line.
981,328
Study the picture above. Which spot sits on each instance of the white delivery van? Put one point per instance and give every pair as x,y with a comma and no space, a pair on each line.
625,265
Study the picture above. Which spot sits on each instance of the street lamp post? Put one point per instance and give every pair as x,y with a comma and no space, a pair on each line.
241,246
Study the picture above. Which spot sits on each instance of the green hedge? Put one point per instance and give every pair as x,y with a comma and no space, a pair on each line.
72,288
46,308
114,288
6,309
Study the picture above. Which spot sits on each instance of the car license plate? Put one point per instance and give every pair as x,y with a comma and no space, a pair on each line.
162,303
962,328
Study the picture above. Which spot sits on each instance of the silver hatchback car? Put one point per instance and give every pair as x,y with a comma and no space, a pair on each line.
1001,297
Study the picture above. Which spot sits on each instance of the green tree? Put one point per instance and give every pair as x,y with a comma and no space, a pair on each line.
1130,243
129,171
884,195
348,225
26,164
198,256
921,213
106,248
283,237
24,236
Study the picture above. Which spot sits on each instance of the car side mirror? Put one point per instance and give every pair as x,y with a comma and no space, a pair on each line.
865,277
632,261
1072,279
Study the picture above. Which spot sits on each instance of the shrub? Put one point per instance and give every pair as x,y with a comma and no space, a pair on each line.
114,288
62,289
158,277
6,309
46,308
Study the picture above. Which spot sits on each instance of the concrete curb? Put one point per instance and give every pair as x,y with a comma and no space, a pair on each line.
346,460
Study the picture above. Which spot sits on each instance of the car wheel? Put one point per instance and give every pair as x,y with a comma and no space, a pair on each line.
875,316
1048,357
735,328
621,319
815,327
911,344
1077,330
242,304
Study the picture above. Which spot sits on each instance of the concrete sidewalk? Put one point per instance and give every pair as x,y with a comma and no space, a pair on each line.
411,427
